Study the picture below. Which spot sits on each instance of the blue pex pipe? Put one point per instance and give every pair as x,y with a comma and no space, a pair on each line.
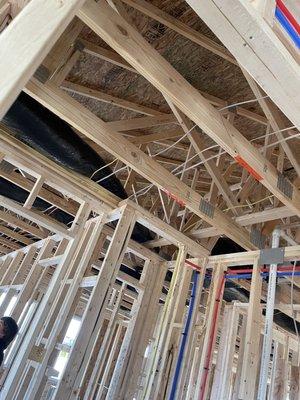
287,27
184,337
263,274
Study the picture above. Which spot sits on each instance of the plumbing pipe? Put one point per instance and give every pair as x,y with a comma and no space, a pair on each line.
288,15
284,22
185,334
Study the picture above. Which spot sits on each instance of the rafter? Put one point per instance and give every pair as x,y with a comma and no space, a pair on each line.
275,119
114,29
210,165
94,128
107,98
116,59
45,20
179,27
257,48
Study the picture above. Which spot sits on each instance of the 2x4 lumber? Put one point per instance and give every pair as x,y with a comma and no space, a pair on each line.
63,48
275,119
244,220
8,243
106,55
165,230
70,249
291,253
91,126
116,59
247,35
65,181
34,192
159,352
141,123
12,220
90,237
66,205
94,316
129,348
107,98
158,136
179,27
15,235
102,19
43,21
39,219
210,165
211,320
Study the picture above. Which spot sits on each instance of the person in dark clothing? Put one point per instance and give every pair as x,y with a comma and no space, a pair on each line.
8,331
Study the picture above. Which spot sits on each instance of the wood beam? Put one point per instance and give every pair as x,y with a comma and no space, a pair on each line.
31,36
107,98
210,165
15,235
176,25
130,44
275,119
141,123
106,55
244,220
94,128
257,48
116,59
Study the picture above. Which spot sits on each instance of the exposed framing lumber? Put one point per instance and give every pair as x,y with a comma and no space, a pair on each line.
60,178
210,165
113,29
116,59
247,35
107,98
275,119
21,63
252,338
106,55
87,123
179,27
39,219
66,205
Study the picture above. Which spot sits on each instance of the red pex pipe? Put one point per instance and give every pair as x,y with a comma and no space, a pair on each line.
282,7
212,338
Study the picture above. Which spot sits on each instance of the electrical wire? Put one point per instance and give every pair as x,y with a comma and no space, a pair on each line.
173,144
147,188
243,102
250,204
104,166
183,165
